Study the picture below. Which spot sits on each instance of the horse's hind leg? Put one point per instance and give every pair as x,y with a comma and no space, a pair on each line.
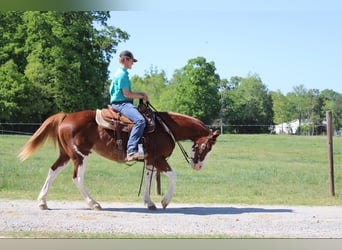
78,179
55,169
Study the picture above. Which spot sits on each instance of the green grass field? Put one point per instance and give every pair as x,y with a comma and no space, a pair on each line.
242,169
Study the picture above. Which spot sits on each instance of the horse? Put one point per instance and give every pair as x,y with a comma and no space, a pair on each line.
78,134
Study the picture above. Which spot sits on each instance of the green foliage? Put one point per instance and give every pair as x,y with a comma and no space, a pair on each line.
193,90
281,108
309,107
62,56
58,61
9,89
197,92
250,104
152,83
332,101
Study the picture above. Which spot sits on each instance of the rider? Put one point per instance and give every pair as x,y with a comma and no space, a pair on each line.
121,99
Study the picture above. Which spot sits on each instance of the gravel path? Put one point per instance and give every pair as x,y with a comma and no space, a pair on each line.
178,219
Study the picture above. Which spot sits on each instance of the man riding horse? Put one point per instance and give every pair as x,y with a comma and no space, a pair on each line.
78,134
121,99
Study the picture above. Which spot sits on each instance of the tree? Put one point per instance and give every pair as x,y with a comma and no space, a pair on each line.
281,108
315,117
307,105
197,90
250,104
62,56
13,89
153,83
12,39
167,97
298,99
332,101
71,57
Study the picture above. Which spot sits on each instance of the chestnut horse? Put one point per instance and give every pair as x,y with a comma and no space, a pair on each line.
78,134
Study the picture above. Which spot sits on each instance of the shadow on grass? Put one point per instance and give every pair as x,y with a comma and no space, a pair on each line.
200,210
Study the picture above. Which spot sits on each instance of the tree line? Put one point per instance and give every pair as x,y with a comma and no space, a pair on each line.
58,61
54,61
240,104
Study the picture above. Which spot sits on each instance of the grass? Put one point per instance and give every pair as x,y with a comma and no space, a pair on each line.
242,169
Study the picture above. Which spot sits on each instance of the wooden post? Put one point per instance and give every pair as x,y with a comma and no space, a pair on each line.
158,184
330,153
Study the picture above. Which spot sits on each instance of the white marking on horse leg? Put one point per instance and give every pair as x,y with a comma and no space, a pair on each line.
77,151
79,182
149,178
172,183
52,174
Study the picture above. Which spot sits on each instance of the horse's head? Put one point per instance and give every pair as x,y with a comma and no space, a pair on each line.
201,148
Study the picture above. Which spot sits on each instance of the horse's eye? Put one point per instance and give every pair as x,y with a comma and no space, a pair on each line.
203,146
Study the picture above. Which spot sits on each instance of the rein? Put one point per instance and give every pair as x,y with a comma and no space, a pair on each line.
168,130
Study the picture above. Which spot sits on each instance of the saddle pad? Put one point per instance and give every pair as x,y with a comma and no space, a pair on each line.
101,121
106,118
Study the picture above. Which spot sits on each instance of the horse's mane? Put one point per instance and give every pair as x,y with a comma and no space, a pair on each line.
181,119
182,116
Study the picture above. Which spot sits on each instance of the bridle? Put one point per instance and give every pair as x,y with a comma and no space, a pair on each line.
168,130
200,149
188,159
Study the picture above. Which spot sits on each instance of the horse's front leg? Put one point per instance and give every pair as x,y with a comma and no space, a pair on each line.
172,182
150,173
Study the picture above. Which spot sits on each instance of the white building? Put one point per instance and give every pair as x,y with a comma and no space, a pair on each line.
287,127
292,127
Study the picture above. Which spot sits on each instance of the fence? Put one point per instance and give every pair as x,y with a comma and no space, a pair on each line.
30,128
19,128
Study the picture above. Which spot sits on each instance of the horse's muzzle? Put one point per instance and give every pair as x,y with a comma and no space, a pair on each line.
197,166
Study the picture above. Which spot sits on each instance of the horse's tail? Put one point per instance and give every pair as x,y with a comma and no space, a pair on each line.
48,129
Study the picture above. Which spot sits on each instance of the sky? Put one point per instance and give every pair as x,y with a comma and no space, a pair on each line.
285,44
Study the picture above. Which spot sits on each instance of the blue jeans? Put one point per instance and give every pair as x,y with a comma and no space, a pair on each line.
131,112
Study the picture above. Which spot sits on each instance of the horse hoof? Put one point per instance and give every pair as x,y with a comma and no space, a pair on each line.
152,207
97,207
43,207
164,204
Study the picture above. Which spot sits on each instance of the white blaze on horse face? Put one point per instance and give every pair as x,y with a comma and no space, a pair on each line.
200,164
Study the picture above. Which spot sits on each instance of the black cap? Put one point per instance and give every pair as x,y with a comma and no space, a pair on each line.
128,54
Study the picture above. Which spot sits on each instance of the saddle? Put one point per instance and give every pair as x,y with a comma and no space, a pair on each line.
112,119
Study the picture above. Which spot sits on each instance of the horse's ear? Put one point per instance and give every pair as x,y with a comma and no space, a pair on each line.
216,133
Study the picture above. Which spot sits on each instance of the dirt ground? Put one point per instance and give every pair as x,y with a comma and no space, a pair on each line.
189,220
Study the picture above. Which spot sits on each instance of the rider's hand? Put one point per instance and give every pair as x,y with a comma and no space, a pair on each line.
145,97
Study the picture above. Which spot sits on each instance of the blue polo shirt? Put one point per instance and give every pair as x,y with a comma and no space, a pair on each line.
120,81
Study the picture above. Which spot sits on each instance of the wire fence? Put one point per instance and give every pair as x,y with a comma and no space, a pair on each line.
19,128
30,128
